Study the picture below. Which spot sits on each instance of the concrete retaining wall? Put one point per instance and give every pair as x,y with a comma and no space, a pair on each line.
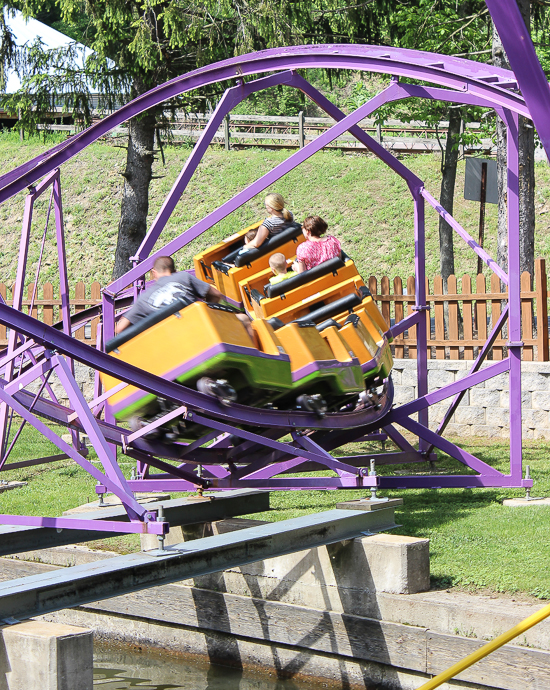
484,409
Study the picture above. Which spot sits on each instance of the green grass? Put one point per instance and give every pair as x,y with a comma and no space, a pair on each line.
476,543
366,205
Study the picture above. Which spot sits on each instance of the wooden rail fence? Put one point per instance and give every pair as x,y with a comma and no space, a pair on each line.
458,322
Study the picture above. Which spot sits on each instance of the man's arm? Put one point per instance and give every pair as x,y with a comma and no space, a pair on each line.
122,324
213,295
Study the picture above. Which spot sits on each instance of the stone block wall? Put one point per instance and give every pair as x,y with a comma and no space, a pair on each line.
484,409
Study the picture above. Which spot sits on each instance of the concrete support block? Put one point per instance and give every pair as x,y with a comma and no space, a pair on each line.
534,382
36,655
409,377
461,430
404,394
485,431
526,399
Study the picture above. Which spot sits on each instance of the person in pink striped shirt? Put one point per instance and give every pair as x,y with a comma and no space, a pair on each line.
316,248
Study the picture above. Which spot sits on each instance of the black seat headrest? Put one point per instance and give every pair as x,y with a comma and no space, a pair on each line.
137,328
330,266
275,323
329,310
291,233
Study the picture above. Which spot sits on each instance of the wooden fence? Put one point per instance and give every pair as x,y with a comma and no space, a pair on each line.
471,313
458,322
46,307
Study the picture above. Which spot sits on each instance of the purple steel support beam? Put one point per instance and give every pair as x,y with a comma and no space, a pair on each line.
263,440
34,361
398,438
148,526
421,305
60,236
524,61
22,425
69,450
514,298
476,366
345,123
231,98
456,481
103,449
17,304
468,381
487,260
270,470
447,447
454,73
409,322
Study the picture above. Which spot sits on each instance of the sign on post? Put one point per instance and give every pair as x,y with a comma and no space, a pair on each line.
480,184
472,180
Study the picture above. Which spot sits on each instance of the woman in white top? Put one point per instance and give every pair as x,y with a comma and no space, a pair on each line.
279,219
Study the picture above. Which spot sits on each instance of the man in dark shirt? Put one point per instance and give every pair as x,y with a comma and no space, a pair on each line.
168,287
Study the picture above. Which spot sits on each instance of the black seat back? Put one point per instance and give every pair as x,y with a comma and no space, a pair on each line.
330,266
327,311
137,328
291,233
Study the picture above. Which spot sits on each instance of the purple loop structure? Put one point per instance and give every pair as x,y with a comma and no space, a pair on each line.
262,459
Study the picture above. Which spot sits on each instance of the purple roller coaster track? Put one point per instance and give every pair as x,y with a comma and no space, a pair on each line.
262,460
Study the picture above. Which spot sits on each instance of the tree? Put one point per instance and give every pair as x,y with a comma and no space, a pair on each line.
455,28
139,44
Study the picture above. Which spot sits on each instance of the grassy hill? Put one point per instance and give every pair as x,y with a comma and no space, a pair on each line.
366,205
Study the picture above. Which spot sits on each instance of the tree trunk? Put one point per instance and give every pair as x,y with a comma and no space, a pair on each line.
526,173
446,198
132,227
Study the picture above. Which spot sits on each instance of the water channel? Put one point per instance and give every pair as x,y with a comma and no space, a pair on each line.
116,669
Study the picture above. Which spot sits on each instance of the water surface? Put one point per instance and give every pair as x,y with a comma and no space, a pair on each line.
124,669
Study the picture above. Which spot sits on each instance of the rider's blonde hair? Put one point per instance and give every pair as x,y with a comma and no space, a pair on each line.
277,203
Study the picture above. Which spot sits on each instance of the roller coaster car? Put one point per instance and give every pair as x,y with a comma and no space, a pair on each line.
262,300
201,346
322,364
226,272
203,261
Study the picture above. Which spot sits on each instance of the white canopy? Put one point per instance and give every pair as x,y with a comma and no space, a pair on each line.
26,31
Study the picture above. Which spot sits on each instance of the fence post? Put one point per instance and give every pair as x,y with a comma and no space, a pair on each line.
541,288
411,287
47,292
226,132
301,123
